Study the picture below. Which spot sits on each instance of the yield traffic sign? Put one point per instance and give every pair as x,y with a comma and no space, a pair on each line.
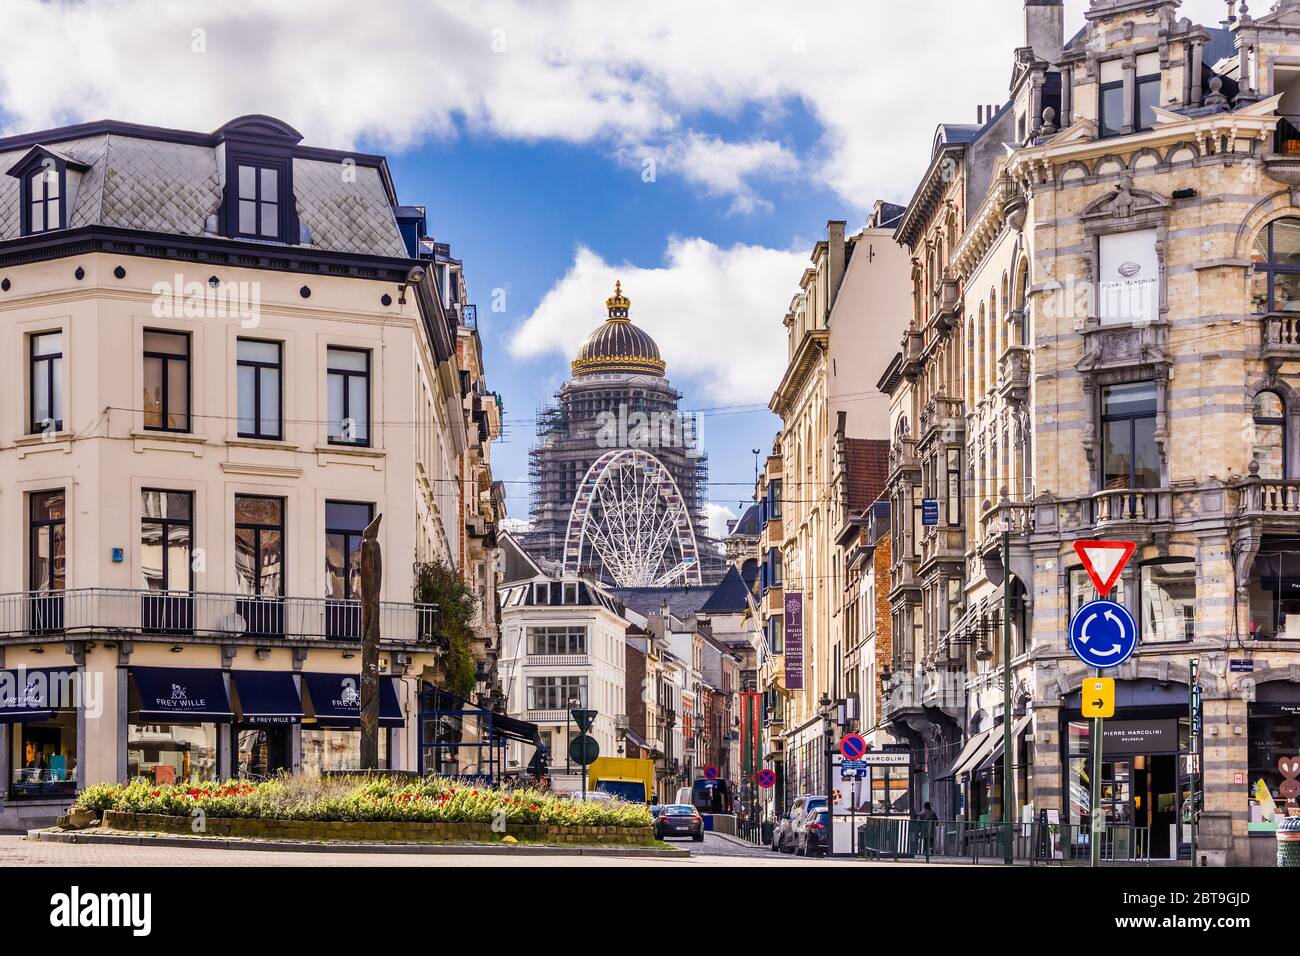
1104,561
584,719
1103,634
1099,697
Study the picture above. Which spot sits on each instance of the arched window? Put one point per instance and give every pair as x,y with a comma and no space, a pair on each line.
1276,287
1270,435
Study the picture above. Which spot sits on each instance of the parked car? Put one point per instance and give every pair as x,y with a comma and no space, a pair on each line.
781,831
813,834
679,820
783,836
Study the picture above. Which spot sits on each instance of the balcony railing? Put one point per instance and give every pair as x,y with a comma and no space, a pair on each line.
1128,504
1280,333
87,610
567,660
1271,496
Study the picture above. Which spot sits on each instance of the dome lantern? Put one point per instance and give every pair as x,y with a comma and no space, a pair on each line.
618,346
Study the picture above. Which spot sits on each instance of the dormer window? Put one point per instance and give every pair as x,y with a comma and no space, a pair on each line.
47,180
259,201
45,200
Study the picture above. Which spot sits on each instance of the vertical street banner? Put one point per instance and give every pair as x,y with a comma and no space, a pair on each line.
750,726
794,640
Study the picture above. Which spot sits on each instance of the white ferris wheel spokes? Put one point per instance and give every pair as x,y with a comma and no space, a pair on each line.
629,518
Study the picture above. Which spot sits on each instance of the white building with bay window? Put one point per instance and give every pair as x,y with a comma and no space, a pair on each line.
562,648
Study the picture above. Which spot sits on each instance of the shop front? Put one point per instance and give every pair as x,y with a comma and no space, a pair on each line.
1144,782
268,709
173,720
39,713
331,722
1273,758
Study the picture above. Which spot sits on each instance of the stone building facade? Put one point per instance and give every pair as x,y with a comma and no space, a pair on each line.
1117,360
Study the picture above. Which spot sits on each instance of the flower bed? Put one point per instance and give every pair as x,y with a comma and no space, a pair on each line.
360,799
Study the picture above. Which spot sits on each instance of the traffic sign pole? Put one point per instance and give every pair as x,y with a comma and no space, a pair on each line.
1098,819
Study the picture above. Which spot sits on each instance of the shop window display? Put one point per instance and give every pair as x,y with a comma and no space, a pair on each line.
169,753
45,757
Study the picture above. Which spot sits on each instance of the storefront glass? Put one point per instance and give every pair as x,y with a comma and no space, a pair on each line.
261,752
1273,765
170,753
45,757
327,749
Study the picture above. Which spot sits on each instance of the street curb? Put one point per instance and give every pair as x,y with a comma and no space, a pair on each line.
737,840
288,846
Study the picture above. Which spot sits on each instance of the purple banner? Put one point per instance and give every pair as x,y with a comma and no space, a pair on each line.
794,640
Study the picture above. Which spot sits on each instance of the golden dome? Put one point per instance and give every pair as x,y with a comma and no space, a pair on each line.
618,345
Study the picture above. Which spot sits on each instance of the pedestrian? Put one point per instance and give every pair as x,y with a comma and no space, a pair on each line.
926,820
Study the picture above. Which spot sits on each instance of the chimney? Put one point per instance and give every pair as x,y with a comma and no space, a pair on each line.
834,259
1045,28
979,113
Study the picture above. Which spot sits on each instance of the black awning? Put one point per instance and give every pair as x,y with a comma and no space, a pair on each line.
513,728
183,695
28,696
336,701
266,697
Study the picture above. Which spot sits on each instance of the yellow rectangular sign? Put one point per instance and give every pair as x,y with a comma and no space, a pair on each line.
1099,697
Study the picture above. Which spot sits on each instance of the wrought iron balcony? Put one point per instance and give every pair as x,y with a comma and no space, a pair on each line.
27,614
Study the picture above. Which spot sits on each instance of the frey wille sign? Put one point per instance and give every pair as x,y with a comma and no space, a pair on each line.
180,700
794,640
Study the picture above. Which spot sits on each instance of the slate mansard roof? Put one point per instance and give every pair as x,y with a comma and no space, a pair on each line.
172,182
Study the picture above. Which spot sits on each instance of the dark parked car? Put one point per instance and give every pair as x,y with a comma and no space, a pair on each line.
679,820
813,835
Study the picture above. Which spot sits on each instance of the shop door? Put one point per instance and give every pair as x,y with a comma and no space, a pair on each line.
261,752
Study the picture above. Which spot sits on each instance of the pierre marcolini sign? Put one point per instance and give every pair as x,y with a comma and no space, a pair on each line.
77,910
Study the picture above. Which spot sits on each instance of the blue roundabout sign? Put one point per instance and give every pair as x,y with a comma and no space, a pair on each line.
1103,634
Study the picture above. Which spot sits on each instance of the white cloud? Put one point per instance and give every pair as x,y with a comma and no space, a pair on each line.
875,77
714,312
717,517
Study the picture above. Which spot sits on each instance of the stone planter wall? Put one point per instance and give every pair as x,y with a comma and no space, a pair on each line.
381,831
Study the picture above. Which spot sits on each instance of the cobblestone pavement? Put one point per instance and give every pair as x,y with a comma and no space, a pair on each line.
714,851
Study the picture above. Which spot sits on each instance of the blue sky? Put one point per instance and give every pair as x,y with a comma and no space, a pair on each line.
528,129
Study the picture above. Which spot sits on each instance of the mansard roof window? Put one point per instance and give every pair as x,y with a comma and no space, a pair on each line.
47,181
260,198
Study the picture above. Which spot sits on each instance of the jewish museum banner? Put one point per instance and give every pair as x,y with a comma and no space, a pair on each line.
794,640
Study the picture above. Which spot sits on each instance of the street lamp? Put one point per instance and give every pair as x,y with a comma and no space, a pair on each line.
827,710
573,704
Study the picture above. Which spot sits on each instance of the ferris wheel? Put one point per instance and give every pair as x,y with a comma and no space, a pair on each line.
629,519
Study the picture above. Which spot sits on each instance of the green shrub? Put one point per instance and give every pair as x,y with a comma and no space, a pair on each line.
359,798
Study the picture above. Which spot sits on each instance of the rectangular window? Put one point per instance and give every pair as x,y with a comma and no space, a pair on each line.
166,540
1082,590
1110,109
556,693
344,522
166,381
1168,601
47,564
259,202
349,396
171,753
45,757
953,489
325,749
778,490
778,573
259,370
557,640
1130,458
259,545
46,373
1148,98
45,209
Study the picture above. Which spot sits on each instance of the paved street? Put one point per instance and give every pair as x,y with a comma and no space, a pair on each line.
715,851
